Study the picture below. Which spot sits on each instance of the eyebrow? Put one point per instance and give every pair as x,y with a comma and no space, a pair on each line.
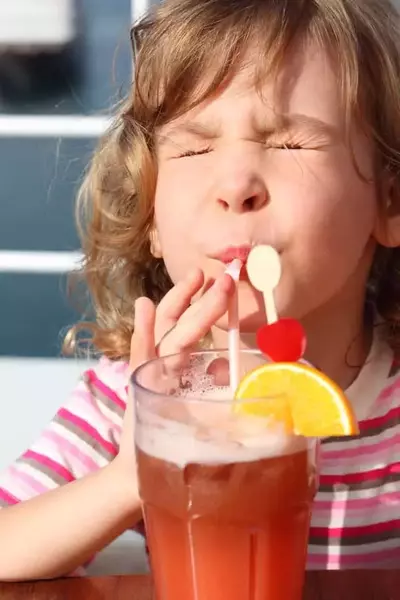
193,128
282,124
285,123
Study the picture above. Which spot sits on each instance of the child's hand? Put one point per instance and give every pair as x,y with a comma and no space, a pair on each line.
174,326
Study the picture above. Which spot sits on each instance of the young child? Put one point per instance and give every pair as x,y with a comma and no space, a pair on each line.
249,121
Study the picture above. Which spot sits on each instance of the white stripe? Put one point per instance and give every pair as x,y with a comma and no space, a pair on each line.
38,262
94,412
360,494
22,490
138,8
84,447
90,412
349,516
375,459
26,126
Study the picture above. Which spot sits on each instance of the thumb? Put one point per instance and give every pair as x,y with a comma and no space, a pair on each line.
143,340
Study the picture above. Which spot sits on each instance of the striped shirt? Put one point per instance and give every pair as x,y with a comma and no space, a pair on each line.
356,515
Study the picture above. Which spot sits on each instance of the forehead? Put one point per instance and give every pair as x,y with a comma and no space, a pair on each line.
305,83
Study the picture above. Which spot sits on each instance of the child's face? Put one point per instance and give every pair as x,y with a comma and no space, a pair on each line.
247,180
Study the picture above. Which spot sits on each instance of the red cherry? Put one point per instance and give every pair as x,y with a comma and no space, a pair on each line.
282,341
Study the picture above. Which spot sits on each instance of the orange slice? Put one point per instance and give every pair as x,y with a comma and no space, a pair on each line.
305,400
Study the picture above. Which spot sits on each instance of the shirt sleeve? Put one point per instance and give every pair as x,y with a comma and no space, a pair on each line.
83,436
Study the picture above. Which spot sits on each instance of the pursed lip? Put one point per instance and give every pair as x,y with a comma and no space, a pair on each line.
228,254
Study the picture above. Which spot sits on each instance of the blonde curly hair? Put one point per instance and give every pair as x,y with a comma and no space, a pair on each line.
175,45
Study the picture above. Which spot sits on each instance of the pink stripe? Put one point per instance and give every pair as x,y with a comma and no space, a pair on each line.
361,450
27,479
88,429
50,464
388,392
104,389
7,498
360,477
65,446
87,398
357,503
340,532
381,421
343,560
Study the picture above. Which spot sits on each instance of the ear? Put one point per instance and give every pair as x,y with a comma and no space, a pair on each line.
155,246
387,227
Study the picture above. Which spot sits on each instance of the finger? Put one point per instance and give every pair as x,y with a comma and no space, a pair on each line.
143,342
176,302
198,319
218,369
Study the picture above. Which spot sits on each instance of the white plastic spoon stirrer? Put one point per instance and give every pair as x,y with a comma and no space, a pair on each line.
264,271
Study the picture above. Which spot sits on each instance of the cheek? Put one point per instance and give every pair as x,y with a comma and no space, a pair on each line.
345,215
327,203
174,200
169,208
326,225
174,223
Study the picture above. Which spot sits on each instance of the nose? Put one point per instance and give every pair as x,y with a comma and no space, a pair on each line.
241,190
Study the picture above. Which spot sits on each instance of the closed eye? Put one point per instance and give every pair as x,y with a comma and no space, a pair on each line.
189,153
286,146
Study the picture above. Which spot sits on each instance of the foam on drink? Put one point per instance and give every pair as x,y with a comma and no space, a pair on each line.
200,426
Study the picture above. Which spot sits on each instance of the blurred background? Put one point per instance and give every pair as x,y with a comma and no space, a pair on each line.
63,64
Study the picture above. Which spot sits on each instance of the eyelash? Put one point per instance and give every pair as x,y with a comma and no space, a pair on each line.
287,147
190,153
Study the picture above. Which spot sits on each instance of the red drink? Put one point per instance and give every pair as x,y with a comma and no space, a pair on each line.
227,501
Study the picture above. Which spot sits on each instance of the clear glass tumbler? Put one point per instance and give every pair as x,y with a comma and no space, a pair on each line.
227,495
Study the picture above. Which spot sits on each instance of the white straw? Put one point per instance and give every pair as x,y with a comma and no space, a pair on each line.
233,270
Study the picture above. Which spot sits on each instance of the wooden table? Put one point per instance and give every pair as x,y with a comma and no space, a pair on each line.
322,585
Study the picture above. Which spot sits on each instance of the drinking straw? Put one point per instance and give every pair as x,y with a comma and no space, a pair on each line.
233,270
